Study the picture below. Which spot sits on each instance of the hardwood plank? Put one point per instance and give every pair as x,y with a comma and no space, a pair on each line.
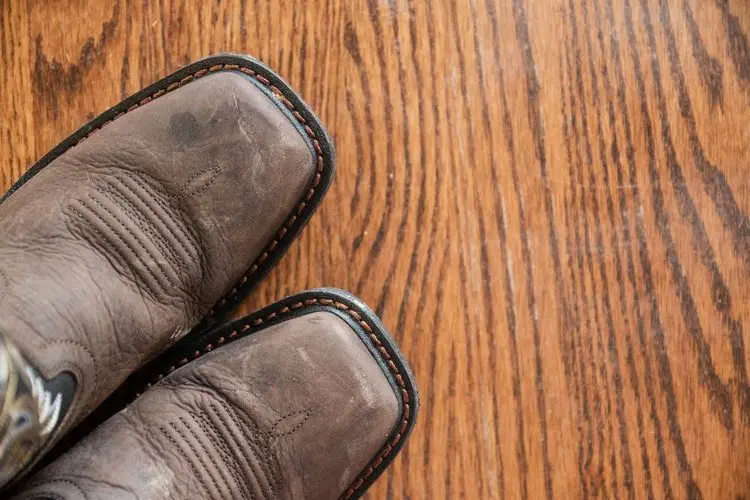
547,203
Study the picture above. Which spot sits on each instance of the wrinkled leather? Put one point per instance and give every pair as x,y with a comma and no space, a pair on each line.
121,244
297,410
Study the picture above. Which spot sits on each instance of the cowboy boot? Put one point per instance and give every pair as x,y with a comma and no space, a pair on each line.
307,398
162,211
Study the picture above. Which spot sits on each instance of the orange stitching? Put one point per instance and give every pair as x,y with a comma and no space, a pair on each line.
309,131
381,348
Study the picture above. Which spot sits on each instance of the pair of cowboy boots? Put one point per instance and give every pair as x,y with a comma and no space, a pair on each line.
123,251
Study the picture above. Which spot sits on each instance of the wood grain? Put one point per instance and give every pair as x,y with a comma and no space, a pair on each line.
547,203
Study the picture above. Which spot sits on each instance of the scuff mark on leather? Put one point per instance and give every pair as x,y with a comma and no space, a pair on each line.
184,128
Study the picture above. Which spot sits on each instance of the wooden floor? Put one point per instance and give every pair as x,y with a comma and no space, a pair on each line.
546,201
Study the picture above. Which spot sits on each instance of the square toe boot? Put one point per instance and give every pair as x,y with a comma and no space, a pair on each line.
308,398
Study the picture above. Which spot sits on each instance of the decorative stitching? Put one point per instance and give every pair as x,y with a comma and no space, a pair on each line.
128,207
105,241
215,168
148,252
83,346
190,236
190,462
382,349
281,233
152,189
202,188
119,237
195,453
255,439
199,189
218,440
294,429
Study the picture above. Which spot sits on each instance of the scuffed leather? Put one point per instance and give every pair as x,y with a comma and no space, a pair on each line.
120,245
295,411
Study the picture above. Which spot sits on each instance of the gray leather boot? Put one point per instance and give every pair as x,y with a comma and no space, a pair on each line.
308,398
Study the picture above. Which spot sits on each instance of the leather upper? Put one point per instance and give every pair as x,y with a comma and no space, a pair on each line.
297,410
120,245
